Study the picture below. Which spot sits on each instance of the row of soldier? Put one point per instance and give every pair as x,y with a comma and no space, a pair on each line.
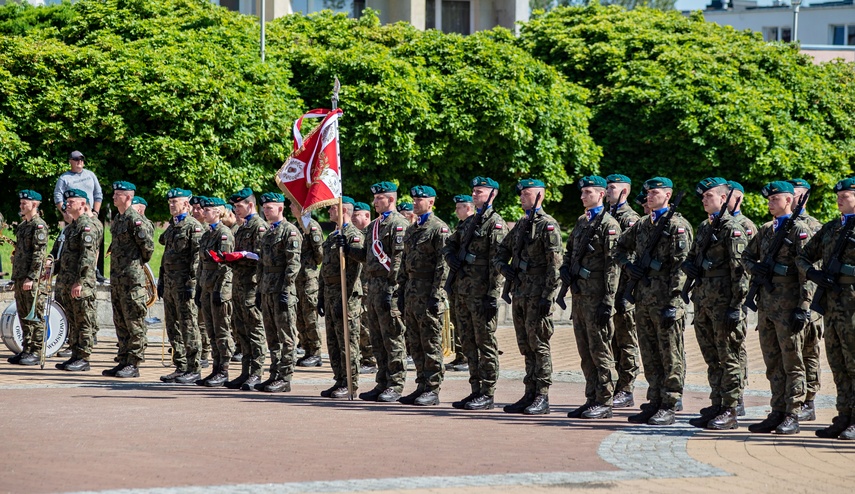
397,282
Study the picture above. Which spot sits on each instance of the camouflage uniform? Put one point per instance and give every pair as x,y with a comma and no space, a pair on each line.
330,283
214,277
27,263
131,248
722,286
475,281
661,347
537,280
278,267
625,342
750,229
422,277
782,349
311,256
594,341
77,265
384,325
813,333
247,317
180,264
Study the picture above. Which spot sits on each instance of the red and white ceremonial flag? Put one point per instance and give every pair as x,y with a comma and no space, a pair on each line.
312,176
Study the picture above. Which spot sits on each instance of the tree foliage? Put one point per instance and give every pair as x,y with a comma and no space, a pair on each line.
685,98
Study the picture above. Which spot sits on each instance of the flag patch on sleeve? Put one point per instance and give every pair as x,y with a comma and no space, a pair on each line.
262,229
399,228
681,230
444,230
737,233
498,226
612,232
749,232
355,240
224,237
138,223
197,229
292,234
40,227
803,235
550,227
86,229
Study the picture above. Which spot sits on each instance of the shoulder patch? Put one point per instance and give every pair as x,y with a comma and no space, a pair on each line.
141,234
803,235
749,232
197,229
612,231
313,229
498,226
737,233
681,230
550,227
292,233
40,226
224,237
86,229
399,228
138,223
262,229
444,230
87,238
355,240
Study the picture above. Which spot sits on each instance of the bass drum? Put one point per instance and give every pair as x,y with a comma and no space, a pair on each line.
13,335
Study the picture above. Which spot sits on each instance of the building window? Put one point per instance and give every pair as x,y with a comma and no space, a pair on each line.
233,5
838,35
850,35
786,34
770,34
430,14
456,16
358,8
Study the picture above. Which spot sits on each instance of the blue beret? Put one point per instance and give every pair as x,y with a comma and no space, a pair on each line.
845,184
68,194
361,206
405,206
484,182
271,197
422,191
240,195
779,187
139,200
462,198
707,184
30,195
617,178
736,186
799,182
209,202
382,187
592,181
176,192
528,183
348,200
122,185
658,183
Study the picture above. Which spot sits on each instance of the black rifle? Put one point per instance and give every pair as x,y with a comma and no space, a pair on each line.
525,226
647,258
835,263
463,252
700,258
769,261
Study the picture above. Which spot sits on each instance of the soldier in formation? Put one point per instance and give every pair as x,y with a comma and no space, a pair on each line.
367,364
308,288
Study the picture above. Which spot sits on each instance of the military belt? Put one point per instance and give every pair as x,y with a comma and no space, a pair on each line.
273,269
846,280
716,273
425,275
210,266
535,271
785,279
479,262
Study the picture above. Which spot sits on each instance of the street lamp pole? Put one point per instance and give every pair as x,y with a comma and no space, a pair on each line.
796,5
263,16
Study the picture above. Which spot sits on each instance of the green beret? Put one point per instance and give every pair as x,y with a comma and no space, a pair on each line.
382,187
68,194
348,200
139,200
405,206
462,198
779,187
617,178
230,207
658,183
361,206
736,186
484,182
845,184
641,199
799,182
176,192
271,197
30,195
707,184
528,183
209,202
240,195
122,185
592,181
422,191
197,200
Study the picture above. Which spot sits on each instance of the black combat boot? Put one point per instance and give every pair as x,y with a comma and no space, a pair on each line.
480,402
111,372
598,411
769,424
341,393
188,378
707,414
848,434
77,366
371,395
33,359
807,413
460,405
663,416
204,381
576,413
539,406
250,383
389,395
327,392
648,410
740,407
128,371
726,420
310,361
838,424
220,378
263,384
428,398
237,382
170,378
623,399
278,386
790,425
16,358
411,398
520,405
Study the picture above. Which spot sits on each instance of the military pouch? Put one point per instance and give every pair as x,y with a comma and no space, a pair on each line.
584,273
655,265
780,269
847,270
470,258
523,265
707,264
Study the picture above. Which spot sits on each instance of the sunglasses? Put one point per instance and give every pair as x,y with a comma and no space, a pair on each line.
76,159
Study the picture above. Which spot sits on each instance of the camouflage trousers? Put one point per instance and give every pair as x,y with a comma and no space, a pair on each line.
80,315
206,343
625,350
387,336
281,327
218,325
181,326
33,331
366,350
478,336
336,337
840,345
459,354
594,344
661,350
782,353
307,316
249,330
811,352
721,350
533,333
129,312
424,335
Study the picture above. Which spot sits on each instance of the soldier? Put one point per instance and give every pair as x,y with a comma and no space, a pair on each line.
214,289
721,286
311,256
659,311
198,214
813,333
176,284
591,270
350,239
839,304
28,264
535,246
421,297
367,365
230,219
625,342
140,204
641,200
463,208
278,267
406,210
246,318
76,277
382,262
476,291
131,248
782,313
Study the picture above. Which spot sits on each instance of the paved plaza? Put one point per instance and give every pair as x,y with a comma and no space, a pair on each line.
82,432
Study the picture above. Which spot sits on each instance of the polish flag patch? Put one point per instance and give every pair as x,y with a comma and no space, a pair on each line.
399,228
803,235
631,223
355,240
262,229
681,230
292,234
612,232
314,228
224,237
39,227
737,233
498,226
138,223
444,230
86,229
749,232
197,229
550,228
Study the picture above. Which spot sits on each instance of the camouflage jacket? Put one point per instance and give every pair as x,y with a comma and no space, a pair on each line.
746,224
626,217
30,249
330,272
79,252
812,223
724,280
603,271
423,259
132,246
785,270
819,249
390,238
540,258
279,262
666,277
477,277
180,260
311,252
248,238
212,276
